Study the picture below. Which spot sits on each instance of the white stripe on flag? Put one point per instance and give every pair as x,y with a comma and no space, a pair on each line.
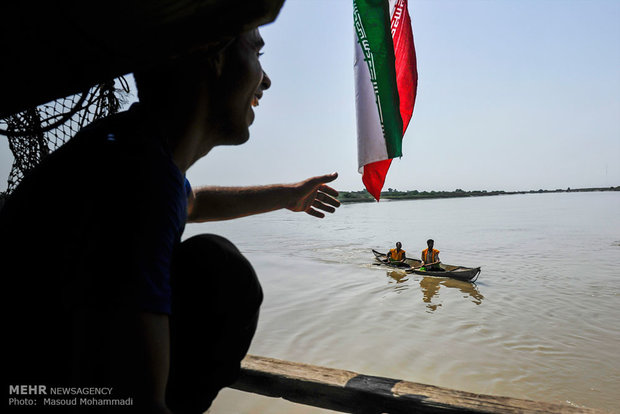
370,141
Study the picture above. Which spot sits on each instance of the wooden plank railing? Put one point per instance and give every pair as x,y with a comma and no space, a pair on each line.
349,392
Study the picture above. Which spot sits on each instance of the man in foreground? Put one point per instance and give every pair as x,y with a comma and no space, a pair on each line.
430,257
101,292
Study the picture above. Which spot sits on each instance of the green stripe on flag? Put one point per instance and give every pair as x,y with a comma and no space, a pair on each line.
371,19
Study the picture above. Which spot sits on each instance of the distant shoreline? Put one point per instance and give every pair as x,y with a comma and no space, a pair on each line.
364,197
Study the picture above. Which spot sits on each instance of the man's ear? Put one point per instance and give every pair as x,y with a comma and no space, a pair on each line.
217,56
216,63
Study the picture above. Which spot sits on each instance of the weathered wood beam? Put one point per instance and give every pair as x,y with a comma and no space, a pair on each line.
53,49
349,392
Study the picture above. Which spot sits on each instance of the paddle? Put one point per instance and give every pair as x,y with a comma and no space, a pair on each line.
427,264
384,261
415,268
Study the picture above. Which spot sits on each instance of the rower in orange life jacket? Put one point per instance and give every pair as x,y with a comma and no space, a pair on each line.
431,255
397,254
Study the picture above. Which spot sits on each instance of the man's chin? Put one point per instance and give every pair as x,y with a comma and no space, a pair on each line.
237,139
242,140
251,116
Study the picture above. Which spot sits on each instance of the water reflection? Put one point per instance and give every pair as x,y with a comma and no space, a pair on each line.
399,277
431,285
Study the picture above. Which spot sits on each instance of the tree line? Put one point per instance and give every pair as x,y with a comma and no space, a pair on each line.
393,194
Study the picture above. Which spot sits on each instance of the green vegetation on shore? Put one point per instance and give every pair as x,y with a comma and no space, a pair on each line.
392,194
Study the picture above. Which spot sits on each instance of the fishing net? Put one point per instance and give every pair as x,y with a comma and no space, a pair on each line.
36,132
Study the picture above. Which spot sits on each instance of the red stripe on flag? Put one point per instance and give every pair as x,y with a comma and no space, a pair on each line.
406,65
374,177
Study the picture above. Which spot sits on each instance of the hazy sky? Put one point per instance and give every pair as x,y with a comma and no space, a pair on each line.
512,95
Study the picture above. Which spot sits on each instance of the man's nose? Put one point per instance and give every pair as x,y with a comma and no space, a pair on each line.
266,83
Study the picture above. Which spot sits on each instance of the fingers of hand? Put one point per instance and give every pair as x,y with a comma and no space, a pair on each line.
322,206
328,190
327,199
315,213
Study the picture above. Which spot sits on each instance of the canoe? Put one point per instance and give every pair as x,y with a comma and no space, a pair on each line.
456,272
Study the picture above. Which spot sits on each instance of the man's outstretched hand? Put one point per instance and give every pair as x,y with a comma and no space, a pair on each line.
224,203
313,195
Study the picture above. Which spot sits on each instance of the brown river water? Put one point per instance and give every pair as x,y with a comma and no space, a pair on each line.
542,322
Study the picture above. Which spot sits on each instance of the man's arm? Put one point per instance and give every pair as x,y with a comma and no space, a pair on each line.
224,203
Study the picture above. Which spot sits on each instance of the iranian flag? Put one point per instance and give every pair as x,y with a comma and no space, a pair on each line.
386,79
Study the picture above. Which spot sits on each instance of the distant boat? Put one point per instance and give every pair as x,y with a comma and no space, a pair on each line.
412,266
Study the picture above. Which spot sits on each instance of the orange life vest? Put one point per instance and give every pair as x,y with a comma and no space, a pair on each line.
394,255
433,257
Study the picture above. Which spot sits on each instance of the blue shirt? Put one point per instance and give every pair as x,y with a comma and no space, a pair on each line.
160,193
140,214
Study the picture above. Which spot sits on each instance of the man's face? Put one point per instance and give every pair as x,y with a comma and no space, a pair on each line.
240,86
430,245
398,245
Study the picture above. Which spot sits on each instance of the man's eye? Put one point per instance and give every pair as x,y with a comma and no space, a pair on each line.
259,54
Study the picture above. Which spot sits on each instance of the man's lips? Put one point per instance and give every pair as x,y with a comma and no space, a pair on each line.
256,98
